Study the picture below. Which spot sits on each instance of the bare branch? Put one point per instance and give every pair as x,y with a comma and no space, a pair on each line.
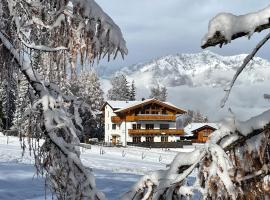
245,63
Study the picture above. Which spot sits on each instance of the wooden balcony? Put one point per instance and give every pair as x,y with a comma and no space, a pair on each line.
116,119
155,132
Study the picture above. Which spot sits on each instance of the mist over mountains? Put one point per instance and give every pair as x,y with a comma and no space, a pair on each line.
196,81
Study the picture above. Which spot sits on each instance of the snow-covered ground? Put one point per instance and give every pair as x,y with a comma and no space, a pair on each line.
116,170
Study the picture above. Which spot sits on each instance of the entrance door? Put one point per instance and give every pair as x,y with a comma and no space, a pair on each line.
114,140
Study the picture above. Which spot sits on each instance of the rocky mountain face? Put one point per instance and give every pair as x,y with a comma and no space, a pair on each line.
200,69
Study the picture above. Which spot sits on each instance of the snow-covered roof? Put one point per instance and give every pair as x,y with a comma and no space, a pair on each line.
121,104
138,103
194,126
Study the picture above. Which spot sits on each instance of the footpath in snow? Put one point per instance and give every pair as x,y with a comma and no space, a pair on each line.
115,169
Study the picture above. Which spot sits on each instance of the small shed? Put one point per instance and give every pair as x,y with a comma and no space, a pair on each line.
199,132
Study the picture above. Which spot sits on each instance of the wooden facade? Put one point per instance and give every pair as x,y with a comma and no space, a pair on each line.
152,111
132,118
155,132
142,122
201,134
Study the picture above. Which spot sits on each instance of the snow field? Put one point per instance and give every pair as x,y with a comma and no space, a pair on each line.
116,170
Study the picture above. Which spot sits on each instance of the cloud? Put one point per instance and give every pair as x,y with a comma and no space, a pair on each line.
154,28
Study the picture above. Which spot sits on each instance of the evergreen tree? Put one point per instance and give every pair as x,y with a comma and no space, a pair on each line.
132,96
88,88
163,94
62,31
158,92
1,110
8,97
120,89
22,101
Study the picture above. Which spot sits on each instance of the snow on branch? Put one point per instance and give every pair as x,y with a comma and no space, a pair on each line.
236,154
226,27
42,47
65,169
107,30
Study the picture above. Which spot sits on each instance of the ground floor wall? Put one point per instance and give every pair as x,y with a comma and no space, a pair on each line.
179,144
118,133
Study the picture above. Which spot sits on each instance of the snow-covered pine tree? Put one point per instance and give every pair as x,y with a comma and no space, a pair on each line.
234,163
120,88
88,88
132,91
1,108
61,31
163,93
198,117
8,95
22,102
158,92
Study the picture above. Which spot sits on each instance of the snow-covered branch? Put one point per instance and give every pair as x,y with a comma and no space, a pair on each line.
226,27
64,153
42,47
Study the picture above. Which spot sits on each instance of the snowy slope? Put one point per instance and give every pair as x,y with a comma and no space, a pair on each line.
200,69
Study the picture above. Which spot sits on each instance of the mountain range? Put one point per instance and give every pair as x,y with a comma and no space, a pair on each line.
200,69
197,82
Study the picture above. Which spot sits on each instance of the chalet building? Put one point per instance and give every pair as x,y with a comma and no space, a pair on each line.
147,121
199,132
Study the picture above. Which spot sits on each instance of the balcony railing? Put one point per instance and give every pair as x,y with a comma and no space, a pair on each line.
116,119
155,132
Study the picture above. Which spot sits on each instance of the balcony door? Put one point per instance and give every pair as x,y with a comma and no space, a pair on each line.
149,139
149,126
114,140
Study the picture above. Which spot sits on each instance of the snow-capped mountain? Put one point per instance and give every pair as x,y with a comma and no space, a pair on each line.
200,69
197,82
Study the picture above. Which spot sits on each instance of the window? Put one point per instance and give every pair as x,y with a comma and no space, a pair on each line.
136,126
164,126
164,138
113,126
108,114
149,139
206,133
136,139
149,126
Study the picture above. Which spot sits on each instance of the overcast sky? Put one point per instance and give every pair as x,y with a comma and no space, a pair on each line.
154,28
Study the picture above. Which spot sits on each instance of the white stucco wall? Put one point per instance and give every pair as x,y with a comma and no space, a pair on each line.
122,128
